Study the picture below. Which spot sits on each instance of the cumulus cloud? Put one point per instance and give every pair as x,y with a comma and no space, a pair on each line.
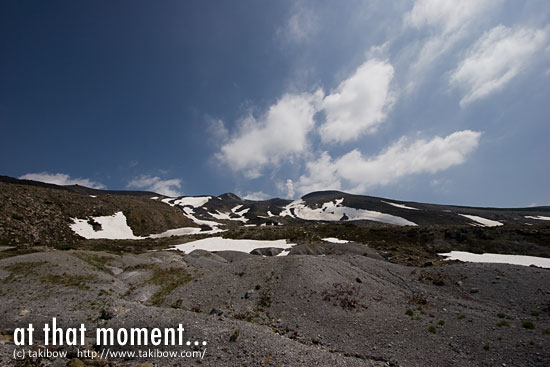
448,21
322,174
403,158
156,184
280,134
359,104
256,196
495,59
61,179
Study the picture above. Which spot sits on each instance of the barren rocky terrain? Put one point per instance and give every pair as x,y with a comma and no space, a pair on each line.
385,298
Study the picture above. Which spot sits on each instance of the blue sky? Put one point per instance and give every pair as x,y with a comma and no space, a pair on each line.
433,101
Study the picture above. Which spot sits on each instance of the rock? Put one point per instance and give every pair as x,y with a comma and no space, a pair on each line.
270,251
24,312
216,312
75,362
474,290
96,362
235,335
107,313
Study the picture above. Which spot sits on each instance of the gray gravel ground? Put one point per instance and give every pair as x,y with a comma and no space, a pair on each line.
344,308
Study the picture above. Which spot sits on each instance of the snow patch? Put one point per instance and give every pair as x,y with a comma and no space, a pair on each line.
113,227
539,217
226,244
483,221
334,211
242,212
194,201
154,198
334,240
402,206
184,231
498,258
235,208
201,222
93,196
227,216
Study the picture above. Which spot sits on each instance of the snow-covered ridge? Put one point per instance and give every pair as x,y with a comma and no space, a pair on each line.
113,227
498,258
482,221
226,244
335,211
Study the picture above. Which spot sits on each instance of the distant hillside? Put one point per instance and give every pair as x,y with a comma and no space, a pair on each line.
39,213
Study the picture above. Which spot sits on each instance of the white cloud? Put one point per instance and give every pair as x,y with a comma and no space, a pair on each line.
280,134
257,196
401,159
287,188
495,59
290,192
61,179
153,183
216,128
448,21
447,15
302,24
322,174
359,104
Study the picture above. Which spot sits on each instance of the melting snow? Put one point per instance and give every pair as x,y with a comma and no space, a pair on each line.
402,206
154,198
334,211
270,214
188,210
242,212
497,258
539,217
483,221
335,240
185,231
225,244
200,221
227,216
194,201
113,227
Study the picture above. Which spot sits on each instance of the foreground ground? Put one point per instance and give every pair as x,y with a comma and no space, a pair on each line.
320,305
